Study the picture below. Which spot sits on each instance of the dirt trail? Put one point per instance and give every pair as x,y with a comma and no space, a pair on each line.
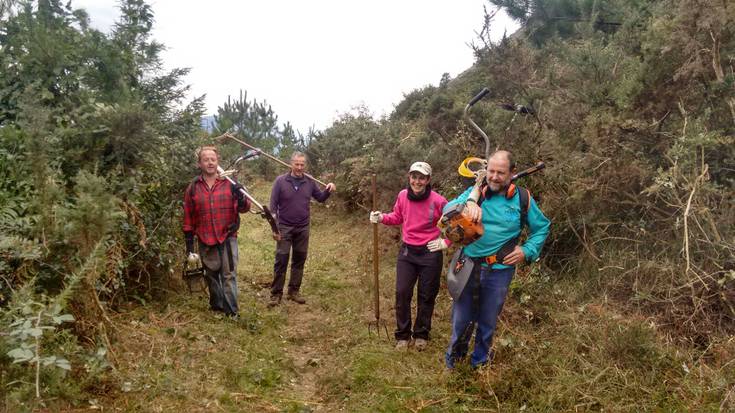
318,332
307,352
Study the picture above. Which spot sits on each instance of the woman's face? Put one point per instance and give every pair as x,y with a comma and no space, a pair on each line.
418,182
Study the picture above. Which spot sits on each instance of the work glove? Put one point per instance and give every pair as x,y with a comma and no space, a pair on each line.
438,244
192,260
376,217
238,193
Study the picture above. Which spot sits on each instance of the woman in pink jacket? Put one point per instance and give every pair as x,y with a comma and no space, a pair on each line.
418,210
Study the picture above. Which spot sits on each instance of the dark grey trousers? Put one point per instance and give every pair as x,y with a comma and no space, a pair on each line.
220,269
296,239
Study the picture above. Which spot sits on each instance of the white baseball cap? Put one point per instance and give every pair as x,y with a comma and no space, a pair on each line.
421,167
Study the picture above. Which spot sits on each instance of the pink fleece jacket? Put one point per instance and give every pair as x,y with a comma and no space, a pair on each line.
419,218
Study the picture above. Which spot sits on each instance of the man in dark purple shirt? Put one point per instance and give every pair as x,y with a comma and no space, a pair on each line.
290,198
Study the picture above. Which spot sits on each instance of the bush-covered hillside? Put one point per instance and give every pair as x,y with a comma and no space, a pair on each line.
635,114
632,306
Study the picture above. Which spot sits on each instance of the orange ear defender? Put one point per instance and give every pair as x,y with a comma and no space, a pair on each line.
509,191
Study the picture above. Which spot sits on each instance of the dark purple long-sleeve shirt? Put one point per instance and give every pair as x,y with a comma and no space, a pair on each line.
290,198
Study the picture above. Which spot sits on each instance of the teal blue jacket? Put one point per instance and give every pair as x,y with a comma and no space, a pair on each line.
501,220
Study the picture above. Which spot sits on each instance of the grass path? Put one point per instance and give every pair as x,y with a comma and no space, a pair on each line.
560,345
179,356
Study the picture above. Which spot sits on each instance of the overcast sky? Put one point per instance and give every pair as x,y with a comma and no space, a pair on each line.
312,60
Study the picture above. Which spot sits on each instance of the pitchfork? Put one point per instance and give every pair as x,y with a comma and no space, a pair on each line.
377,323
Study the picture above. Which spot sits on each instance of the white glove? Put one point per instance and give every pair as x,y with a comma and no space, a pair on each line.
437,245
192,260
376,217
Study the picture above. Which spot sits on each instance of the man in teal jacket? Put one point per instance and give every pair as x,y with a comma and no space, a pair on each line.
500,213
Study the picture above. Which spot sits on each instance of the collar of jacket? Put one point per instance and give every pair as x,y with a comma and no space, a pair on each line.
291,178
217,179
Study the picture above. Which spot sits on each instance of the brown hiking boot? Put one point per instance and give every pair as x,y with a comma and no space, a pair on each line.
275,300
296,297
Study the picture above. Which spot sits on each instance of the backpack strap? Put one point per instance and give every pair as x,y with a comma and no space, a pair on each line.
192,184
524,201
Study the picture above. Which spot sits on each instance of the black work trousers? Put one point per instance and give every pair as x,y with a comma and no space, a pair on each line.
296,239
416,264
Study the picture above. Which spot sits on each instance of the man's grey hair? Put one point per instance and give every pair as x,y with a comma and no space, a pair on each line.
298,154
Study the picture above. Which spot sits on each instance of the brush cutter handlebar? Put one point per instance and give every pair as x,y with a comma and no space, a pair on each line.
479,96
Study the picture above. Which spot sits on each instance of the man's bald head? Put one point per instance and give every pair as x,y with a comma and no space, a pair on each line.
505,155
500,166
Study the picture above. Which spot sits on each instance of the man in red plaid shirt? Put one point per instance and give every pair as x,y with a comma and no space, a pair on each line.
211,207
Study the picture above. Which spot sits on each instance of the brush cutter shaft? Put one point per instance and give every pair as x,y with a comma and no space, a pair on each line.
242,191
484,92
267,155
539,166
266,213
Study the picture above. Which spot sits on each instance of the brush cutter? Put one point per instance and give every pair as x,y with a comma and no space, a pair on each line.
265,212
259,151
456,226
460,229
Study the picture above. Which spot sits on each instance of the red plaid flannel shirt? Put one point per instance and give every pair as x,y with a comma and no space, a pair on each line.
212,213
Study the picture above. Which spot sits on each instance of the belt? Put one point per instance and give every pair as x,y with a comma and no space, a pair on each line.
492,259
489,260
503,252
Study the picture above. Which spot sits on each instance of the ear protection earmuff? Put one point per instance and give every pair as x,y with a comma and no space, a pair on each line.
510,191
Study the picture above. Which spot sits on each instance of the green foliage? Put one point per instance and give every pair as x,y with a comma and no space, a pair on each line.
94,212
545,19
257,124
27,330
635,121
96,148
36,338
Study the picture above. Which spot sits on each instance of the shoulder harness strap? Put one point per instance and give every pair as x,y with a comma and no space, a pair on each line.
192,185
524,201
